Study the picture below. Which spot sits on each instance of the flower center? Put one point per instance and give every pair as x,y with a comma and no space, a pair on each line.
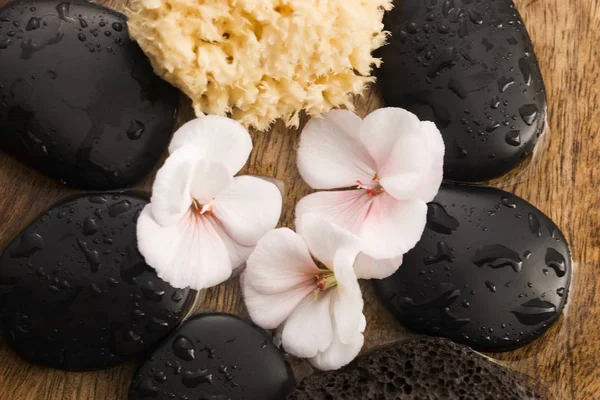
324,280
372,188
202,209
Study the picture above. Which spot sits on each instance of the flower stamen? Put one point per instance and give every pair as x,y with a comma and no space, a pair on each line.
202,209
324,280
373,188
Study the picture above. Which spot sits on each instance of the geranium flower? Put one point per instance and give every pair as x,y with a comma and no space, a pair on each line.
318,308
392,160
202,222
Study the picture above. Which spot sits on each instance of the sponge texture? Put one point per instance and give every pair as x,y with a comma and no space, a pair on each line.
260,60
418,369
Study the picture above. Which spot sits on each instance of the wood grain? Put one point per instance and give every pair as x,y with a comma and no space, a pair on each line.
562,181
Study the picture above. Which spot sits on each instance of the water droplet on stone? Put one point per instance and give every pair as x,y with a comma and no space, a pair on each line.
81,37
534,225
177,296
152,291
534,312
183,348
475,17
158,325
33,24
97,199
560,291
90,226
439,220
556,261
525,70
490,286
508,202
63,12
447,59
135,130
119,208
495,103
191,379
412,27
513,138
30,243
504,83
444,253
497,256
4,43
92,256
529,113
117,26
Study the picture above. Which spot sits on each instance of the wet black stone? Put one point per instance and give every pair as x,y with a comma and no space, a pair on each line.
81,298
479,81
482,274
418,369
215,357
81,106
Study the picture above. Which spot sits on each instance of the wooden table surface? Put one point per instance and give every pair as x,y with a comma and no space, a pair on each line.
563,181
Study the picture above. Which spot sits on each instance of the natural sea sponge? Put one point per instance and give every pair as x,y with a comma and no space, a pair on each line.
260,60
427,368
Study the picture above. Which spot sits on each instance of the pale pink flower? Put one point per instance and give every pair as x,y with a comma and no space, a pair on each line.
318,308
202,222
393,162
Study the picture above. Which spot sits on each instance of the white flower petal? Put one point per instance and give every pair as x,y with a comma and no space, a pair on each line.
248,209
392,227
347,209
325,239
432,179
209,180
347,299
218,139
309,330
371,268
171,197
381,129
407,164
280,262
340,354
331,155
187,254
238,254
277,182
270,310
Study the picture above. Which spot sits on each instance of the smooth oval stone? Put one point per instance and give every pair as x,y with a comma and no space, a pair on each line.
78,99
76,294
490,271
468,66
427,368
215,357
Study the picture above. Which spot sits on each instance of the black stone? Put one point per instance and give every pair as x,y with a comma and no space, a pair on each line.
78,99
215,357
491,271
77,295
418,369
477,78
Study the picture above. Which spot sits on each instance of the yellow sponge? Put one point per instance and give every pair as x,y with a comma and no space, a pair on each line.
259,60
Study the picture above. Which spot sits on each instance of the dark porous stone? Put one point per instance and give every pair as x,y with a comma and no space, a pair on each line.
469,66
418,369
76,294
78,99
215,357
490,271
